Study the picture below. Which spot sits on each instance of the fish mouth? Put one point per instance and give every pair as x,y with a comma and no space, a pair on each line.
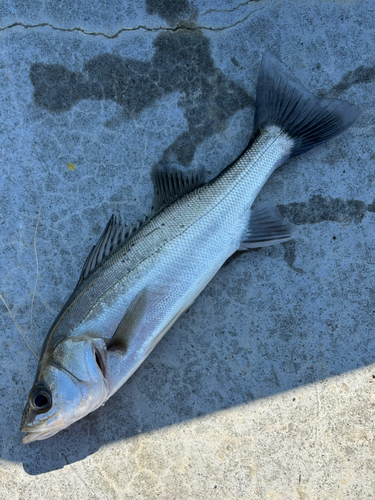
37,434
37,431
41,431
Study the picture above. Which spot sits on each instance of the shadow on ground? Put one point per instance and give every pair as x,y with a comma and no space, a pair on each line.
199,368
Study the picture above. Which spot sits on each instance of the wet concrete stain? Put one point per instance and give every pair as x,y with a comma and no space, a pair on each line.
181,62
318,209
172,11
362,74
290,256
235,62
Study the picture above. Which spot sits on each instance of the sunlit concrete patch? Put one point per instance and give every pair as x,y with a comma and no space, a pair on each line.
304,443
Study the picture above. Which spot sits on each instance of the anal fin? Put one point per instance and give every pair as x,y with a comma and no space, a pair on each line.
266,227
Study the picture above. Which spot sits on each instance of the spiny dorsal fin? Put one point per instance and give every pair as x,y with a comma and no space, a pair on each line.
114,235
171,183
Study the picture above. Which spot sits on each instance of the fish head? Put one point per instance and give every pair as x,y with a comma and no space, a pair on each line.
70,383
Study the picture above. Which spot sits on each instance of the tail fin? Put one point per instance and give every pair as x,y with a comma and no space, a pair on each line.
282,100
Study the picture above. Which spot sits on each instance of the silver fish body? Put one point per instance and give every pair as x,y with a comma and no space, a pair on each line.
127,300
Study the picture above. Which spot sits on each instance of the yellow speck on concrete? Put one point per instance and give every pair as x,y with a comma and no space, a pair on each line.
71,166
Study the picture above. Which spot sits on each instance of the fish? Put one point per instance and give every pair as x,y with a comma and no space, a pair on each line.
138,280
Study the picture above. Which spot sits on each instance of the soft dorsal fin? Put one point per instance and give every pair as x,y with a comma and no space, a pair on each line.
171,183
114,235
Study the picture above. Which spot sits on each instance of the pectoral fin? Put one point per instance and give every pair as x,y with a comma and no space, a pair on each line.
266,227
129,325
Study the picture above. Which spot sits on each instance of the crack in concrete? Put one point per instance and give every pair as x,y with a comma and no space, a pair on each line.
180,27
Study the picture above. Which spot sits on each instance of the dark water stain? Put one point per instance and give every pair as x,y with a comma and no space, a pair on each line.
362,74
235,62
181,62
172,11
290,256
319,209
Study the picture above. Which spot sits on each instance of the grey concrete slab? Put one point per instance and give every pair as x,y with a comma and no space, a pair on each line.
264,388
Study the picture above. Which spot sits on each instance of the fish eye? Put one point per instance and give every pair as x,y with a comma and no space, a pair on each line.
40,398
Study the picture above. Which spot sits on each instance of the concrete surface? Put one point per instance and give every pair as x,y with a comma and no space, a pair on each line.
264,389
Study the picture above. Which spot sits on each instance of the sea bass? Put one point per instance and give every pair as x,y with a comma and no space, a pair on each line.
136,282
